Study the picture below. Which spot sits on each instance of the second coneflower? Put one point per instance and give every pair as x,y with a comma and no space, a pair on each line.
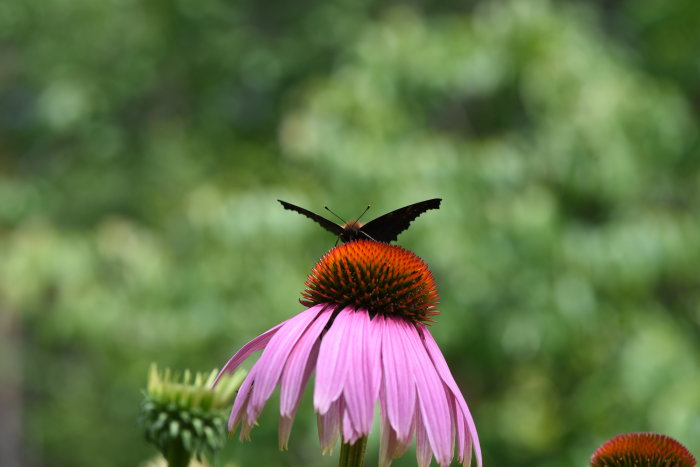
363,333
642,450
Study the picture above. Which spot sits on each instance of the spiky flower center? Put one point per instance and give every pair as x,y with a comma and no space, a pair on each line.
642,450
185,412
374,276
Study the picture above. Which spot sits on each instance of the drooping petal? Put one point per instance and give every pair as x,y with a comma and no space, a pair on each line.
466,457
239,405
284,429
300,364
374,352
329,425
350,433
432,399
332,363
275,356
423,453
292,401
247,425
245,351
389,446
464,443
398,385
446,376
358,390
387,441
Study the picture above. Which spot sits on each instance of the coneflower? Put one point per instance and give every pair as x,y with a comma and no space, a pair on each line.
642,450
182,414
364,335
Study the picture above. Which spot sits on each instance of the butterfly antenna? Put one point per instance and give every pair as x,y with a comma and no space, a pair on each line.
363,213
336,215
358,220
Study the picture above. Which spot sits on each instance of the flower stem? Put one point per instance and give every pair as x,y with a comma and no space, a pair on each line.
177,455
353,455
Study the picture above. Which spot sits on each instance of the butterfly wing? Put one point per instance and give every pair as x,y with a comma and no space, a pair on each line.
387,228
325,223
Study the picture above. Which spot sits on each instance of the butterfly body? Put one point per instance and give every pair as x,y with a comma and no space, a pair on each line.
384,228
351,231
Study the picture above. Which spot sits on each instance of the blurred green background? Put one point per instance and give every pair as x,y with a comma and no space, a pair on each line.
143,146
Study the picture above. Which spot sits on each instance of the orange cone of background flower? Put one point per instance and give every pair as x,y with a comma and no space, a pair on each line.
642,450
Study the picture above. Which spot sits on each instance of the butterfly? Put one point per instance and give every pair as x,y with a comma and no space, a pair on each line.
384,228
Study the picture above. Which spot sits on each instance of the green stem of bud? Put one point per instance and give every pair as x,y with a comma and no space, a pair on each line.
177,455
353,455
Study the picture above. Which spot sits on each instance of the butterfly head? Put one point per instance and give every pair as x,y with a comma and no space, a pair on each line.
352,231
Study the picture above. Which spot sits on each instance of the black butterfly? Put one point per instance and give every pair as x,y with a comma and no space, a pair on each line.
384,228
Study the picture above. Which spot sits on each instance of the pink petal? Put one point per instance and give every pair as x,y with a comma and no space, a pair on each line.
464,440
300,363
423,453
284,429
358,390
444,372
332,363
387,442
275,355
238,411
462,432
433,403
329,426
389,446
398,385
246,427
374,352
350,433
245,351
287,418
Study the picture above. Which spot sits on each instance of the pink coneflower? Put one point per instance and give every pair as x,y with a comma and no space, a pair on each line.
642,450
364,335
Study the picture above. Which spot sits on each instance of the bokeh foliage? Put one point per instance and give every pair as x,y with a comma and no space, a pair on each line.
144,145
